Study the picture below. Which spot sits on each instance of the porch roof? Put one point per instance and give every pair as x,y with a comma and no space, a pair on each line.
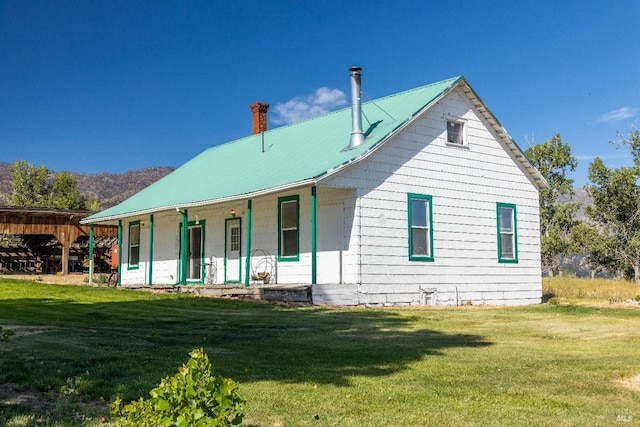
284,157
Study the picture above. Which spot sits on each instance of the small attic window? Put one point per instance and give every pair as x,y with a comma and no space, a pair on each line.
456,132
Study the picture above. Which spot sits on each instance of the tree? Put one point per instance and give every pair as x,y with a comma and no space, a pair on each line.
93,204
614,241
587,239
64,194
33,188
30,187
557,218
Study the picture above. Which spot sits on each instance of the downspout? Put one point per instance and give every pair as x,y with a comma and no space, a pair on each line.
359,245
91,255
314,252
151,250
247,268
119,252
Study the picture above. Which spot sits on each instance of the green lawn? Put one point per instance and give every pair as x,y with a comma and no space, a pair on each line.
77,347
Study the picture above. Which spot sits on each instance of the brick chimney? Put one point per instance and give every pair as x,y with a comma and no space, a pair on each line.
259,110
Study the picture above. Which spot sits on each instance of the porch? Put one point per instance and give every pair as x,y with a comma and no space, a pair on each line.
330,294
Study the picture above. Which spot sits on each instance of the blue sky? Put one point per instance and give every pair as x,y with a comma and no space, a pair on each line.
109,86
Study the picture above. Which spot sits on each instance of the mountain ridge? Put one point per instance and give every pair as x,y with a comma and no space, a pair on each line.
109,188
113,188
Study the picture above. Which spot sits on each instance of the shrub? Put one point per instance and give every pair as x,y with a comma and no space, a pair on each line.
193,397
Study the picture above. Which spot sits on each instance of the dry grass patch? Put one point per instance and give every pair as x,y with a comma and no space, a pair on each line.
602,291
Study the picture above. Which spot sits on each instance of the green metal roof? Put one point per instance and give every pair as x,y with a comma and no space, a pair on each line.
293,155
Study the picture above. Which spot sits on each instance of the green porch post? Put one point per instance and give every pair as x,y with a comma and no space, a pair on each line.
151,250
119,252
247,269
184,247
314,251
90,254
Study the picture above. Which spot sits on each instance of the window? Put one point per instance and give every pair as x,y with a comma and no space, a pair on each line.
420,228
288,223
234,242
507,233
134,244
455,132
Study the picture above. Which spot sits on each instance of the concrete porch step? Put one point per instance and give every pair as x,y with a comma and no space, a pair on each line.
282,293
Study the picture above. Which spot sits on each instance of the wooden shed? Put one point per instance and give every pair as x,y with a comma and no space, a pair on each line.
31,236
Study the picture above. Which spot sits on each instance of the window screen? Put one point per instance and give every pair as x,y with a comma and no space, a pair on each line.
455,132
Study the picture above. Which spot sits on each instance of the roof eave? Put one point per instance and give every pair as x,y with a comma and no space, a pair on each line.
534,173
200,203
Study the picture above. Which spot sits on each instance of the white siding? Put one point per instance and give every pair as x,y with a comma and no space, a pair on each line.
335,252
215,218
166,241
165,250
337,256
465,184
133,274
335,260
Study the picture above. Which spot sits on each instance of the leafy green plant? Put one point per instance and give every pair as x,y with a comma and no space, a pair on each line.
5,334
193,397
102,278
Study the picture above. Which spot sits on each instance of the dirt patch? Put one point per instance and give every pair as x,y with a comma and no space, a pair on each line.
43,404
64,279
632,383
31,399
21,330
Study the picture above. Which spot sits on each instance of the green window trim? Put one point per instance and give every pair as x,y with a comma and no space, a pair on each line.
288,233
133,246
507,227
420,227
190,225
200,224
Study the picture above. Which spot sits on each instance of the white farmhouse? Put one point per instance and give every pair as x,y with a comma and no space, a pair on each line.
420,197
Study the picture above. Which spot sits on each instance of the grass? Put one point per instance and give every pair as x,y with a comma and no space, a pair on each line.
77,347
575,290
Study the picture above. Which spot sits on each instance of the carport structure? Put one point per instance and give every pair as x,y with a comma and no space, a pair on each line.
63,224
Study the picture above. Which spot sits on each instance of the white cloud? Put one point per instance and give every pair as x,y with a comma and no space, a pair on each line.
619,114
299,108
